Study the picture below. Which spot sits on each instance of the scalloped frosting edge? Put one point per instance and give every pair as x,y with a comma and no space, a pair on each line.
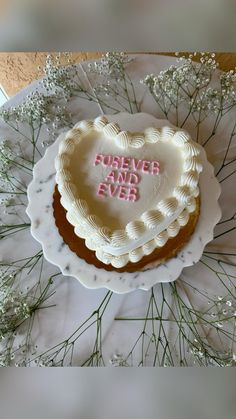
89,227
158,241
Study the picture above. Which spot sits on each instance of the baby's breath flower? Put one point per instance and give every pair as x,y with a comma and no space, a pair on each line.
60,79
14,309
223,309
7,201
7,157
34,108
118,360
37,107
112,65
45,362
189,83
205,355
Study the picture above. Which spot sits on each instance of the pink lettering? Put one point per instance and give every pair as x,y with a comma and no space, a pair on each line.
133,194
137,164
122,195
124,172
107,160
122,177
125,162
113,189
133,178
146,165
116,162
98,159
111,176
155,167
102,187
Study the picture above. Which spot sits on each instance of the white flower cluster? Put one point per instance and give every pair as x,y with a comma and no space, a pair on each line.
189,83
221,316
217,99
206,356
7,157
224,310
36,107
118,360
61,79
7,161
14,309
108,90
169,83
7,201
228,86
112,81
45,361
112,65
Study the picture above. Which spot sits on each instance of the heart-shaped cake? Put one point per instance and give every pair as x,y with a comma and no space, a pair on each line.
127,193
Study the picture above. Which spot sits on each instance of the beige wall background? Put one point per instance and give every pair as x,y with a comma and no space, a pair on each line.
19,69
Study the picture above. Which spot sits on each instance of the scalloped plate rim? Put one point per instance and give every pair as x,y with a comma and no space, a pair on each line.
100,272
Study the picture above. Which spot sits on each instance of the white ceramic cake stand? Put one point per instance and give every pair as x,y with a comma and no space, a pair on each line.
44,230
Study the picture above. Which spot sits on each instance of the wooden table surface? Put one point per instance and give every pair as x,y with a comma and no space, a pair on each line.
17,70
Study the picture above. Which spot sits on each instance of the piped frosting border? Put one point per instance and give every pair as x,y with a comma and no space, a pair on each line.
142,236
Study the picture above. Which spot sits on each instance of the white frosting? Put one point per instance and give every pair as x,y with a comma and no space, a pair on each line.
182,193
168,206
84,125
123,140
119,230
173,229
137,141
135,229
152,135
119,262
118,238
167,133
161,238
180,138
190,149
143,238
100,122
152,218
136,255
193,163
190,179
183,217
191,206
149,247
111,130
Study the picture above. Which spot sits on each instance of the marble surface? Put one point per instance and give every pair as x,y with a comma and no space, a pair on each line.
43,228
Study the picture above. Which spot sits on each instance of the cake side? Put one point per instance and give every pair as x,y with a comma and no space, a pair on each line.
155,225
160,255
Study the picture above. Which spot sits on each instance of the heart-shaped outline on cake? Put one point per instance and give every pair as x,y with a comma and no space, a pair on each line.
142,236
